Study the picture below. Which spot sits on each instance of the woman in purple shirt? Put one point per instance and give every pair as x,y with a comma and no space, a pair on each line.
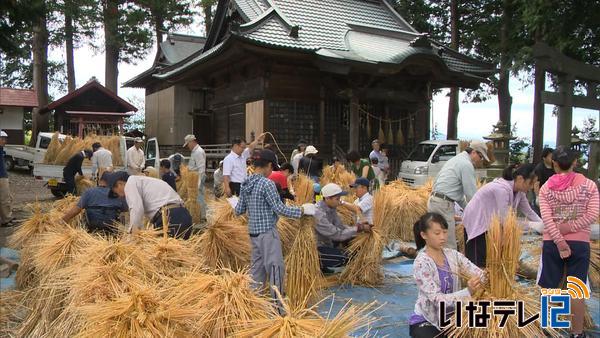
497,198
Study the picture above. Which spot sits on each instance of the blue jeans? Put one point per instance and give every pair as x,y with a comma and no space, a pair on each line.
201,199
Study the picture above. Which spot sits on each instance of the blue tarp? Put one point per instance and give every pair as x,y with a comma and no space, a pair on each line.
398,295
9,283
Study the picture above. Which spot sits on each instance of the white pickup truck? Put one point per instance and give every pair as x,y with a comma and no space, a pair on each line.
24,156
53,174
427,159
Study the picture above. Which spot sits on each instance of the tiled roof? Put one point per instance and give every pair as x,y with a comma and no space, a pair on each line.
368,31
178,47
18,97
90,85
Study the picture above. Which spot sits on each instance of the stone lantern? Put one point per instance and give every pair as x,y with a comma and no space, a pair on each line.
501,137
576,142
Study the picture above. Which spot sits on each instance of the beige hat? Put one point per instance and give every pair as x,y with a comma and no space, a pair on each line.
189,138
138,140
480,147
310,150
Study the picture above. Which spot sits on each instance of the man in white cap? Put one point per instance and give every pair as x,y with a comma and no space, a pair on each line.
310,164
135,157
197,163
456,183
331,231
6,218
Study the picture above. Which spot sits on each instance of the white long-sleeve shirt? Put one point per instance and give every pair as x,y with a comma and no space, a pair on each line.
135,160
101,159
145,196
198,160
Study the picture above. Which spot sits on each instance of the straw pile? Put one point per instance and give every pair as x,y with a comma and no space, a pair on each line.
303,271
9,311
306,322
503,251
53,148
225,242
338,175
410,204
82,184
180,183
141,285
191,202
60,153
364,267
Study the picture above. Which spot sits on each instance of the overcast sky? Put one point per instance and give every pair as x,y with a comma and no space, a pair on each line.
475,119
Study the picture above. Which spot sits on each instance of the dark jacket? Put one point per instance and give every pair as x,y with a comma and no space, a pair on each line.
74,165
311,166
3,173
169,177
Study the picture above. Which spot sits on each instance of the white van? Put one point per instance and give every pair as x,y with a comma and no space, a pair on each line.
426,161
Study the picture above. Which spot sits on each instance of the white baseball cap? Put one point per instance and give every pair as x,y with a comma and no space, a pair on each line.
332,189
138,140
3,133
188,138
310,150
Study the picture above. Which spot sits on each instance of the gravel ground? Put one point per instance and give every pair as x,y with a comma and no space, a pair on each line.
24,189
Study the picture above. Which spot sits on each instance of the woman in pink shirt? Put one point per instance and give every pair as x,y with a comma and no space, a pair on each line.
569,205
497,198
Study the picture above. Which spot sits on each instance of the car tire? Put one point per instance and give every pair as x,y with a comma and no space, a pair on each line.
9,162
57,192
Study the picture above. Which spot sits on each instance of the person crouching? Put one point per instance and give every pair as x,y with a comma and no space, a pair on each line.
151,197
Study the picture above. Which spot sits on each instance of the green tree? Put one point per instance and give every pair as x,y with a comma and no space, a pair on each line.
165,15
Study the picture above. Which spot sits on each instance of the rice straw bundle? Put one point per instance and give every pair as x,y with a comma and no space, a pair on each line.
364,268
408,204
68,150
306,322
594,273
346,215
45,302
9,311
82,184
503,251
460,237
224,244
338,175
288,229
303,270
170,256
108,268
38,223
139,313
191,203
181,182
53,148
55,249
227,302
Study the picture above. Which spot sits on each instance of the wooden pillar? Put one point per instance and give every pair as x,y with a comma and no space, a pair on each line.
354,122
322,117
565,112
80,129
594,160
537,136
